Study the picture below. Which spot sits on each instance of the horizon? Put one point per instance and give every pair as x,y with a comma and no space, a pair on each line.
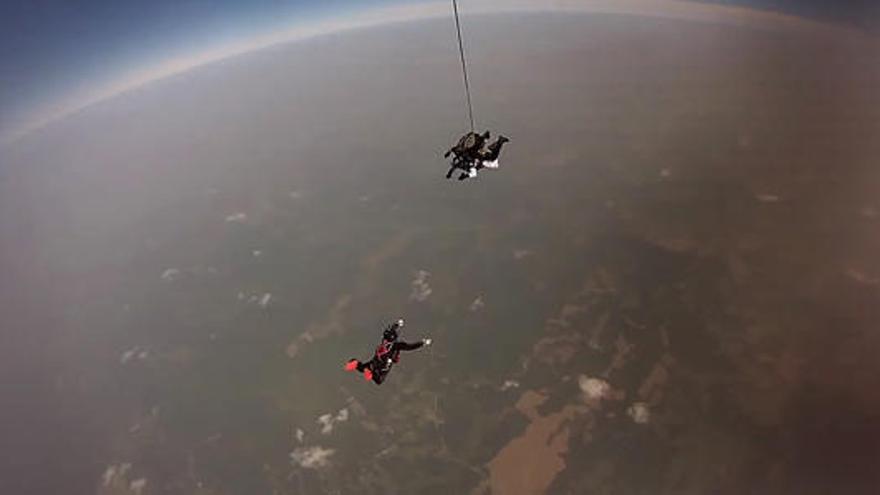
65,102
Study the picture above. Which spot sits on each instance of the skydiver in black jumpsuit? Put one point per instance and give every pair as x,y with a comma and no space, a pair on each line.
386,355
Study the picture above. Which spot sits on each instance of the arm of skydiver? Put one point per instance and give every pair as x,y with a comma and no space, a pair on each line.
456,146
408,346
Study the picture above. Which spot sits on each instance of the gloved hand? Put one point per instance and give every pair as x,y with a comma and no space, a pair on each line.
400,322
426,341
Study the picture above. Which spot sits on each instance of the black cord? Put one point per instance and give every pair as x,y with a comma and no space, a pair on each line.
467,87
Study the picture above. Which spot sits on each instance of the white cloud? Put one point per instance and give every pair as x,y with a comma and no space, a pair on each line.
311,457
478,304
594,388
420,288
509,384
135,352
128,355
109,475
767,198
264,301
327,421
519,254
116,475
862,277
639,412
138,485
257,253
239,217
170,274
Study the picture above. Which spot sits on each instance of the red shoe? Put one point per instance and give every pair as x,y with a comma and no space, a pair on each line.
368,375
351,365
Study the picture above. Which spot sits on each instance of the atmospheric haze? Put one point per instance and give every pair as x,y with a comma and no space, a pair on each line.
669,285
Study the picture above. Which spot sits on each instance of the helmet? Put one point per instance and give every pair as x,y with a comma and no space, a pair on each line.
390,333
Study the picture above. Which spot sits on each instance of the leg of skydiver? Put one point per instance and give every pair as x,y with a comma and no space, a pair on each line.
361,367
456,163
466,165
365,367
354,364
369,370
494,150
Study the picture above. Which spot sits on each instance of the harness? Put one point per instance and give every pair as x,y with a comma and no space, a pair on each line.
385,352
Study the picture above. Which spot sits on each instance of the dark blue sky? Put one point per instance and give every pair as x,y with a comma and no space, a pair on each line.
49,47
859,13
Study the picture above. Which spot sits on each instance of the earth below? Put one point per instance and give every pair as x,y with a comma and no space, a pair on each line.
669,286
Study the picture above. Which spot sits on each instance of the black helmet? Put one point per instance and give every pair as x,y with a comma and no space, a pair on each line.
391,333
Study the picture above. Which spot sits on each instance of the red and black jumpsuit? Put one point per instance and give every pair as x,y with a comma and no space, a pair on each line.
386,355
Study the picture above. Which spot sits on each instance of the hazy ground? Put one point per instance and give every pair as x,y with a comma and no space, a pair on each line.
670,286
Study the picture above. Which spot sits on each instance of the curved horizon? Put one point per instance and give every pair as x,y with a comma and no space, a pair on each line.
686,10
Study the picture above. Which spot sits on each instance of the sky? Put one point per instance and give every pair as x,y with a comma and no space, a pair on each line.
49,48
52,46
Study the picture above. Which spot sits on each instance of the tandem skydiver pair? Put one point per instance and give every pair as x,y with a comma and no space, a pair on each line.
471,154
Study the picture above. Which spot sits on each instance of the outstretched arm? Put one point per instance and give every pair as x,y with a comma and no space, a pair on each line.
408,346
